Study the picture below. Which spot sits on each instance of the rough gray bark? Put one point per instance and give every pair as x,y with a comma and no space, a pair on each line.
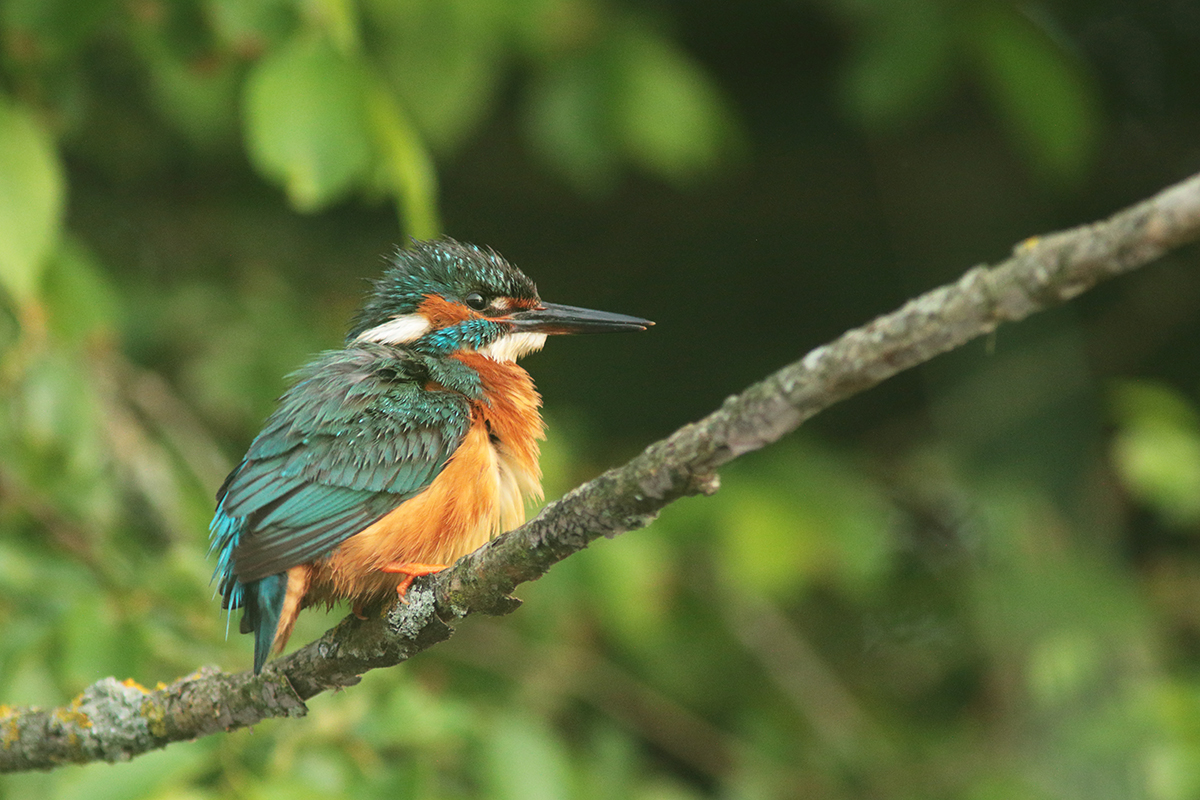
115,721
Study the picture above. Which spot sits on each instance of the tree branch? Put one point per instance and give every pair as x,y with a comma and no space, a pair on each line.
115,721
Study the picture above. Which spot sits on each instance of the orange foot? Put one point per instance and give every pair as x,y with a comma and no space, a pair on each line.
411,572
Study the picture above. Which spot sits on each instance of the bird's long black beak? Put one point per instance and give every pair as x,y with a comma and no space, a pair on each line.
553,318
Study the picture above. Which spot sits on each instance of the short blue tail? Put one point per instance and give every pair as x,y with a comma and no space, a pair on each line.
264,604
262,600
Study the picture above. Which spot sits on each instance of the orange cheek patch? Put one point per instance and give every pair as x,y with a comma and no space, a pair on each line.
441,313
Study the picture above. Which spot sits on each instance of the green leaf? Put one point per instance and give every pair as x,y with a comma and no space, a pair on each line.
248,26
406,168
814,517
80,300
671,118
634,580
1063,665
306,123
613,765
635,96
1176,758
153,776
566,119
1042,93
31,201
1156,449
55,404
59,27
901,65
198,96
84,652
526,761
442,59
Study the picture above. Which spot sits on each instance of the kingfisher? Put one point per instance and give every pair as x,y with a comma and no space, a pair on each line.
398,454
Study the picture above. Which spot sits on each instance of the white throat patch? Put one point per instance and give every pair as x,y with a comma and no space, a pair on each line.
397,330
514,345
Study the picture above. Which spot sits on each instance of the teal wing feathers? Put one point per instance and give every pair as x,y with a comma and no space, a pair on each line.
355,437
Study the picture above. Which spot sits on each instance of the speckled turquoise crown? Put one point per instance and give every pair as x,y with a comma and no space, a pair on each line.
444,267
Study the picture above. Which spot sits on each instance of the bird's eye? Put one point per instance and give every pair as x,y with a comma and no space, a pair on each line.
476,301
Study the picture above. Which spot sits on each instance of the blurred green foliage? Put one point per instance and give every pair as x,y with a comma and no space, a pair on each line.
910,54
924,620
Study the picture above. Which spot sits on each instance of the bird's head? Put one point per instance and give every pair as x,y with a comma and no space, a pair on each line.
444,296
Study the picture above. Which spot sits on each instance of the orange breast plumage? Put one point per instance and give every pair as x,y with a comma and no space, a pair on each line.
480,493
